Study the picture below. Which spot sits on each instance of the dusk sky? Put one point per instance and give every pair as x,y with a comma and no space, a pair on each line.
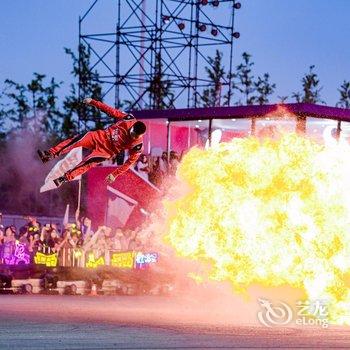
284,37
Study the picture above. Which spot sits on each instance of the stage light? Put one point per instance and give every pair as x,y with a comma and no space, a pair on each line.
204,2
202,27
166,19
215,3
236,35
237,5
181,26
214,32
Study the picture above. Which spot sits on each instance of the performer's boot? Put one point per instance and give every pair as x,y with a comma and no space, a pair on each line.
45,156
60,180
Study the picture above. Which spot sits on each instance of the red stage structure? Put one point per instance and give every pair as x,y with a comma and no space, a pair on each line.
181,129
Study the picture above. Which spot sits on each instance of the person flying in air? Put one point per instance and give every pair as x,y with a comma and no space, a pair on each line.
125,133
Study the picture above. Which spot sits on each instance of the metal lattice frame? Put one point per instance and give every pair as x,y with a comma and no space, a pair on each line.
179,33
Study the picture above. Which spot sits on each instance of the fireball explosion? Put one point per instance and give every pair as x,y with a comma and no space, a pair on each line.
268,212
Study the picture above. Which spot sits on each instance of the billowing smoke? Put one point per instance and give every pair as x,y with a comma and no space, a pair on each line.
22,174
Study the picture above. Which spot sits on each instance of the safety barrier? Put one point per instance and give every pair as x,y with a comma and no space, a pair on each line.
77,257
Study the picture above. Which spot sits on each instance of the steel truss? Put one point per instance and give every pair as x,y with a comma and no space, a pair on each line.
169,37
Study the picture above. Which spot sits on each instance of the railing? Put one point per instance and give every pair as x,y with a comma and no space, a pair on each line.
77,257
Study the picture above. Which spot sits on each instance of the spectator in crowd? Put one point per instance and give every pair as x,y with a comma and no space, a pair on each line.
117,245
83,224
173,162
23,236
9,243
136,244
2,235
10,234
155,175
53,240
142,166
132,240
125,240
35,244
163,164
32,224
72,241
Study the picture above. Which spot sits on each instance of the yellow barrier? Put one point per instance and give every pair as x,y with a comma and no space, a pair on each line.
123,260
44,259
94,263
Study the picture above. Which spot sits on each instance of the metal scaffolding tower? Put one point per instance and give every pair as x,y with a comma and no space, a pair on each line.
144,49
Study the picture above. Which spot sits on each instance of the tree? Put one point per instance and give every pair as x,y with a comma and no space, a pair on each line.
211,96
3,126
46,114
53,119
264,89
161,95
88,83
283,99
344,91
32,106
311,90
16,110
245,83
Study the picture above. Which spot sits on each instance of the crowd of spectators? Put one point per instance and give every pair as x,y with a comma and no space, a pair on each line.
62,239
57,238
155,169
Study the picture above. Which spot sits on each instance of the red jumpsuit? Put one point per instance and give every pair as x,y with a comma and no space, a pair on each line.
104,144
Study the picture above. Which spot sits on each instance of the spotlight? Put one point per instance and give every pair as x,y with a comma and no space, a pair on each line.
204,2
202,27
214,32
236,35
237,5
215,3
166,19
181,26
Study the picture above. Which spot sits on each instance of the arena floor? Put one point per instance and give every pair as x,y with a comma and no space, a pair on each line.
77,322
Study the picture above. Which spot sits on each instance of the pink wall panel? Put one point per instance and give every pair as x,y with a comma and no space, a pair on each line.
128,183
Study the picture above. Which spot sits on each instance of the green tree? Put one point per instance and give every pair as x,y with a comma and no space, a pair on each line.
264,89
53,117
211,96
245,79
16,110
311,88
32,106
344,91
283,99
3,126
160,92
87,81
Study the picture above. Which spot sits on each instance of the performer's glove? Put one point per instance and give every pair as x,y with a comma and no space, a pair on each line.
110,178
87,100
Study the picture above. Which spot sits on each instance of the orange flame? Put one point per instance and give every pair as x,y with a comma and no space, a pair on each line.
271,212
